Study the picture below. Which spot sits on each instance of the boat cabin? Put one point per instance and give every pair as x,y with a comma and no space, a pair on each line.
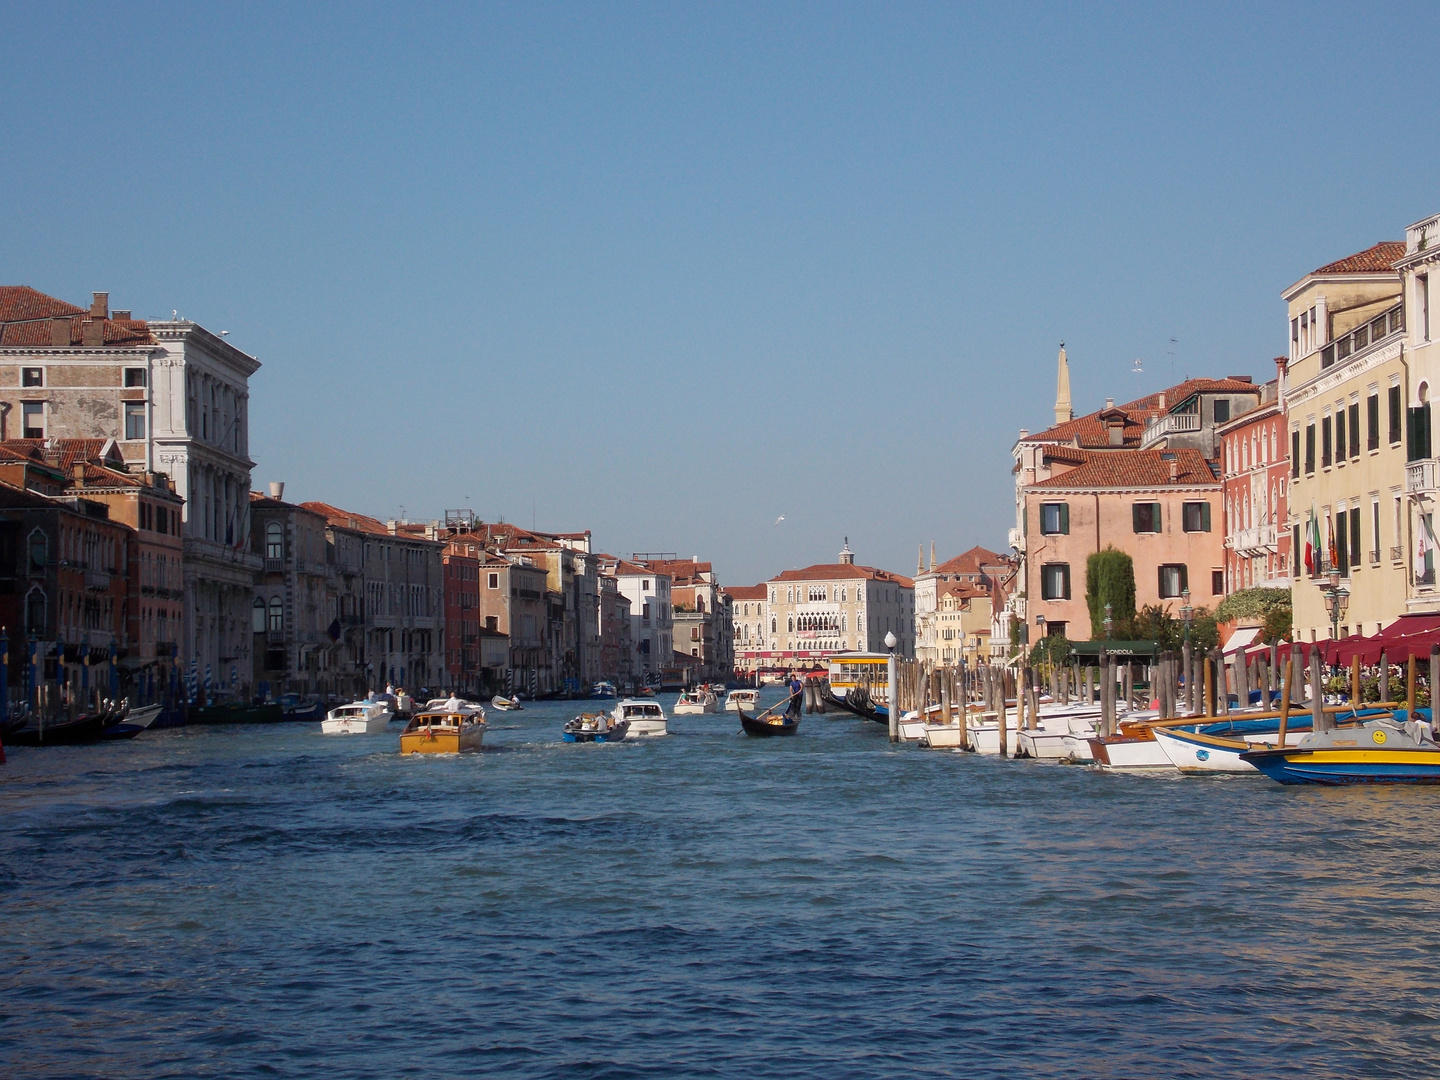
641,710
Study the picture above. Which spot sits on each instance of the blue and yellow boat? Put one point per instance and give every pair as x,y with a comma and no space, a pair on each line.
1385,750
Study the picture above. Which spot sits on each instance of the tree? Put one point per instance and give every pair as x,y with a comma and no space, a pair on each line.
1279,625
1110,579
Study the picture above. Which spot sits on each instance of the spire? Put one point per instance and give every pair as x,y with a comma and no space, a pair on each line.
920,558
932,556
847,557
1064,413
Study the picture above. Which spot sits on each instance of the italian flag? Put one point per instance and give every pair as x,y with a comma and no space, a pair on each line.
1312,543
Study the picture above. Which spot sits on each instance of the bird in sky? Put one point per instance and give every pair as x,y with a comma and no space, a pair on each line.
777,521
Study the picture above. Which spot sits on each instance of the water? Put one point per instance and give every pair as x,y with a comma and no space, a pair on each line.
267,901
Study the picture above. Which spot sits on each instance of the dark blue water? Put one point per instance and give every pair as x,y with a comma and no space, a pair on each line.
266,901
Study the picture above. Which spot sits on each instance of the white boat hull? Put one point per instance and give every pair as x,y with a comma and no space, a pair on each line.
1129,755
942,737
912,730
355,726
1195,757
1051,745
647,727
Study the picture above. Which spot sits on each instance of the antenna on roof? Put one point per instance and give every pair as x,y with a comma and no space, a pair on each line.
1173,341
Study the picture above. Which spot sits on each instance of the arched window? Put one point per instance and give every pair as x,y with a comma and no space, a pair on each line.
257,612
39,551
277,614
772,625
274,541
792,625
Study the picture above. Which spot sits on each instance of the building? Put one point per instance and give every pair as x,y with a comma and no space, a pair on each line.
837,607
982,573
295,616
513,603
651,626
751,621
1255,463
175,398
701,616
1345,395
1416,266
1143,477
402,578
617,649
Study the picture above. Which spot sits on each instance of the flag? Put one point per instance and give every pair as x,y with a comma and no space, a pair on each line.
1309,547
1334,552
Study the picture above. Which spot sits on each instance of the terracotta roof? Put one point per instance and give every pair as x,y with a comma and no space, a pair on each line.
1135,469
974,561
629,569
1373,260
345,519
747,592
25,315
1090,431
679,569
965,590
835,571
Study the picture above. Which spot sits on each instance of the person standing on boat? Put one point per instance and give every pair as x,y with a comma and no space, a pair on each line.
797,695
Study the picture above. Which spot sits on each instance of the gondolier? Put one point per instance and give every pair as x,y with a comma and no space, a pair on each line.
797,695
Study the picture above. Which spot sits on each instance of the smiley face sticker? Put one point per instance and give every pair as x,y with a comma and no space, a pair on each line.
1379,737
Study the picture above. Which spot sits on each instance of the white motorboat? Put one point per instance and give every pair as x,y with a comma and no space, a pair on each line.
357,718
742,700
645,717
602,689
504,704
695,702
942,737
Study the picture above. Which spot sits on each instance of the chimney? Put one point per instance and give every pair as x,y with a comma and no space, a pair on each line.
1174,470
277,490
1162,399
1109,403
92,333
59,333
100,305
123,316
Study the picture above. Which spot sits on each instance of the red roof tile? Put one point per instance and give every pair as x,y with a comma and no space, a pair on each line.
25,316
836,571
346,519
746,592
1373,260
1090,431
975,561
1134,469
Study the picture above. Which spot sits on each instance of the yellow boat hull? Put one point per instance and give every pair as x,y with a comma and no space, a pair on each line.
433,741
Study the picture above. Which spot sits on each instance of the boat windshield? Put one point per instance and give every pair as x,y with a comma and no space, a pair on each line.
642,710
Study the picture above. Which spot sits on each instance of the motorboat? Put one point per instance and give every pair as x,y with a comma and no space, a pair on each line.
357,718
294,707
644,717
1383,750
505,704
604,689
599,727
1217,747
1132,749
454,728
695,702
740,700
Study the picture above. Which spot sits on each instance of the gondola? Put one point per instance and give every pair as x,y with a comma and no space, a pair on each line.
857,702
83,729
761,727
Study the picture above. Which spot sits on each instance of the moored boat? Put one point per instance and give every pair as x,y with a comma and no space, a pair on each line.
1379,751
738,700
644,717
454,728
1199,751
599,727
357,718
603,689
83,729
294,707
132,722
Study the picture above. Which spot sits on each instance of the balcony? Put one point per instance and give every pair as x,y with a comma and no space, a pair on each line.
1257,541
1377,329
1420,477
274,566
1172,424
97,580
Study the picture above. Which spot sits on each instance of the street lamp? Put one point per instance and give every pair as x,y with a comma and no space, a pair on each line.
1337,602
1187,613
1040,625
1109,623
892,693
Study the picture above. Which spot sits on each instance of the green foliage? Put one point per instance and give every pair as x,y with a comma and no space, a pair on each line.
1051,649
1110,579
1251,604
1279,625
1155,623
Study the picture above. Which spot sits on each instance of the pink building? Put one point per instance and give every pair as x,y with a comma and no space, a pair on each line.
1255,462
1161,507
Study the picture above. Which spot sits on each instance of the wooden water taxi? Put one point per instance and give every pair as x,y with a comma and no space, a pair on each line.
446,730
1384,750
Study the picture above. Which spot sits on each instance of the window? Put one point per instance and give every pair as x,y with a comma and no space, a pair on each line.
1146,517
1326,443
1174,580
134,420
1340,435
274,541
1295,454
1055,581
134,376
1375,524
1342,541
1355,536
694,633
1296,552
32,376
1394,403
1309,449
1422,289
277,615
1222,410
1217,582
1417,422
1054,519
1354,411
257,616
32,422
1196,517
35,611
493,581
1372,416
645,585
39,552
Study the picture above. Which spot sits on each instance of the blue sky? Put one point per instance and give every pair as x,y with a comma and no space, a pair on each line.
668,272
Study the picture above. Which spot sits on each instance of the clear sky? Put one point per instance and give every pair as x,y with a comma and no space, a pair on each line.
668,272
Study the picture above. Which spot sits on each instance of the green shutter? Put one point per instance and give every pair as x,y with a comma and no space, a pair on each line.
1135,517
1155,517
1065,518
1184,577
1065,574
1205,517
